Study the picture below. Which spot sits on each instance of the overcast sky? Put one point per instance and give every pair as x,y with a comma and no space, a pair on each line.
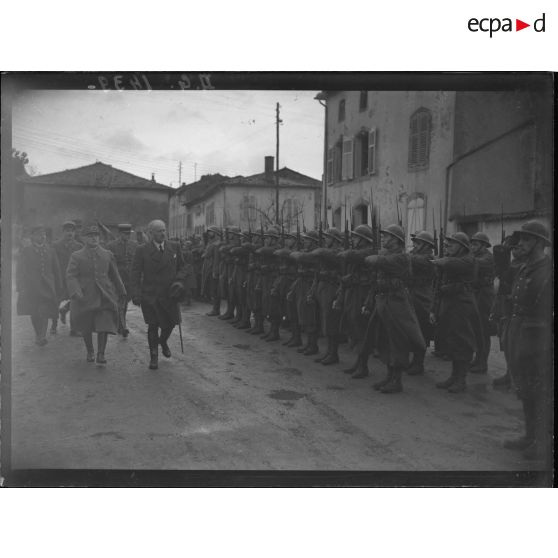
151,131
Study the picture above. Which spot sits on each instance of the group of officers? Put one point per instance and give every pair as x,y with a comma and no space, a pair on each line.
361,287
390,303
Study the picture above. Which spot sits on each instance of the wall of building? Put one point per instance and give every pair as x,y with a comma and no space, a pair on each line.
51,205
389,113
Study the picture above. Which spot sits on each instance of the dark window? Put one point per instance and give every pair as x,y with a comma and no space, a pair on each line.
419,139
363,103
341,110
329,172
337,149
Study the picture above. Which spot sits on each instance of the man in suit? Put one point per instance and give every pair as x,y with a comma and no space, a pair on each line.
39,283
123,249
94,286
64,247
157,285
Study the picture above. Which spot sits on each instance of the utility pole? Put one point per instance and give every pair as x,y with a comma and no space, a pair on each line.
277,122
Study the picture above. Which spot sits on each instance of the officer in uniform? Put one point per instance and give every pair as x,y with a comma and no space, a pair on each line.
298,294
64,247
39,283
421,286
210,270
94,286
123,249
393,327
353,290
455,310
483,286
157,286
528,341
328,277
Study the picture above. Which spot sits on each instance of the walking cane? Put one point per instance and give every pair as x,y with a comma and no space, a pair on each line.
181,341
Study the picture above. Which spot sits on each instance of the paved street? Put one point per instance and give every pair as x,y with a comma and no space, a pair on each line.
233,401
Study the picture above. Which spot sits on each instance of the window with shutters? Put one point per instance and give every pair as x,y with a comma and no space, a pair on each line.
347,161
248,209
372,141
341,115
210,214
329,169
419,139
337,158
363,102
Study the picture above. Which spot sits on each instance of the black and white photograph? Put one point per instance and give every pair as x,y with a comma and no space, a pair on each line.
279,278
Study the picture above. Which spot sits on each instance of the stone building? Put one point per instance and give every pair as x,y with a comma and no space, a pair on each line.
246,201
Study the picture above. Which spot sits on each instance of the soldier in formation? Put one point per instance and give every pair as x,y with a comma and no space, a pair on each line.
210,270
123,249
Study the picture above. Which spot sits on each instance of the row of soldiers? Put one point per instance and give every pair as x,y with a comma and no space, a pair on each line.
387,302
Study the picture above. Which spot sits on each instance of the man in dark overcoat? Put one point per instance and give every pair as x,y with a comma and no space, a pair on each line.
529,342
393,328
456,314
123,249
39,283
64,247
94,287
157,285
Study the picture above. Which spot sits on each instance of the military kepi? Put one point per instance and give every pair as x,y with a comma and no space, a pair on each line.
124,227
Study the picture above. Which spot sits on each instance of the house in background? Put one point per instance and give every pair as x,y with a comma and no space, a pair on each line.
97,192
246,201
460,158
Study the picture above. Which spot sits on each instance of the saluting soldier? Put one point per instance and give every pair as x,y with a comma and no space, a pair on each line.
483,286
157,286
393,328
303,293
528,341
39,283
94,286
123,249
455,310
422,295
210,270
328,278
64,247
353,290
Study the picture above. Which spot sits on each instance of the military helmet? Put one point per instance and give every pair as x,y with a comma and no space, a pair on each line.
460,238
424,236
537,229
273,231
214,229
364,232
395,231
481,237
125,227
311,235
234,230
334,233
68,225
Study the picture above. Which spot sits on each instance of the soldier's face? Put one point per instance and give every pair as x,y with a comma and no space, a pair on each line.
476,246
92,239
526,244
125,236
451,248
69,234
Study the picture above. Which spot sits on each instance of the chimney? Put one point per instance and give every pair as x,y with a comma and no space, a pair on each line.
269,160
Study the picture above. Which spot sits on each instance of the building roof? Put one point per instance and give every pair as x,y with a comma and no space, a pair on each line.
98,175
287,178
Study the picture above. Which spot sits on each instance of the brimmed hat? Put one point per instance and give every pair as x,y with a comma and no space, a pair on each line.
125,227
481,237
424,236
536,229
91,230
273,231
176,290
364,232
68,225
460,238
395,231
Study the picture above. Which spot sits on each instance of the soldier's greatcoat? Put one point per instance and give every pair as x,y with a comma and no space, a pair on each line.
124,256
422,294
64,249
210,269
153,273
38,281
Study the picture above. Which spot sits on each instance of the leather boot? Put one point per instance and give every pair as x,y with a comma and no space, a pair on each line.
102,339
165,334
153,340
362,370
305,346
216,309
394,385
449,382
353,368
323,357
258,328
417,365
274,331
379,385
88,340
296,340
333,357
460,384
313,348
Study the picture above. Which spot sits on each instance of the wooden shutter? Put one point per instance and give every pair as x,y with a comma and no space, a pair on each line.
329,169
347,161
372,151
